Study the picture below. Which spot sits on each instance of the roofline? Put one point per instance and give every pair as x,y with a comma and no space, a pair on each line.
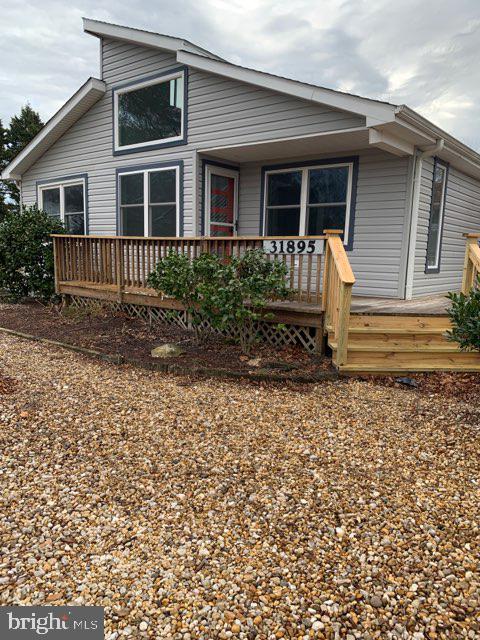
410,116
92,88
145,38
377,112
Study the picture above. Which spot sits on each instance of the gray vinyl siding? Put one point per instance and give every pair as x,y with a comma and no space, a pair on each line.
220,111
380,218
461,215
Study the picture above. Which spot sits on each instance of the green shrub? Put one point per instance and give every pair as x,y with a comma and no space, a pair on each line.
229,294
464,315
26,254
181,278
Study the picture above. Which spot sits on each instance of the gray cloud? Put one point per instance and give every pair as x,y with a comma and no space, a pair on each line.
424,54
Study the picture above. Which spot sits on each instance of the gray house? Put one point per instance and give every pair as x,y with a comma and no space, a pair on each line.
172,140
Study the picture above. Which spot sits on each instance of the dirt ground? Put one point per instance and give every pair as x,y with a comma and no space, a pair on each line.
203,509
133,338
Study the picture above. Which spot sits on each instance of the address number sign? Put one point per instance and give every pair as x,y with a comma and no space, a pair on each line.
293,247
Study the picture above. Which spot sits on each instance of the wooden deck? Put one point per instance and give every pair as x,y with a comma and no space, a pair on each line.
433,305
365,334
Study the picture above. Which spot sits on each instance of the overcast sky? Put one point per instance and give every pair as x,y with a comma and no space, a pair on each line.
424,53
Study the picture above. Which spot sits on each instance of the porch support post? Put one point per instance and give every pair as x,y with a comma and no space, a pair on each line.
120,275
468,269
56,263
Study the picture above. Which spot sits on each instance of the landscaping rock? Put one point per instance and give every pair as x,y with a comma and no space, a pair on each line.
167,350
198,509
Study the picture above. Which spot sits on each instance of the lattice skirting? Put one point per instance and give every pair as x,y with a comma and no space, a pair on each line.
269,332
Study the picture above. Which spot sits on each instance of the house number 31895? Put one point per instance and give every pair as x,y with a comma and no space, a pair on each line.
293,247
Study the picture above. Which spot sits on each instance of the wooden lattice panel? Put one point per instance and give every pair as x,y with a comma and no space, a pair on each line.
271,333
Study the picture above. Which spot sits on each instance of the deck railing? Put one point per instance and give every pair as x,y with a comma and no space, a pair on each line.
122,263
471,268
338,280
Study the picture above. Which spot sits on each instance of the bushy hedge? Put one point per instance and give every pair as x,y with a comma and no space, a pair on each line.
26,254
464,315
228,294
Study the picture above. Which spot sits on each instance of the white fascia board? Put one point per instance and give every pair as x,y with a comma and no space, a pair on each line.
391,144
379,112
79,103
142,38
455,152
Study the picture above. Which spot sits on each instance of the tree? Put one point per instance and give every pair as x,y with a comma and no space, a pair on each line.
22,129
3,203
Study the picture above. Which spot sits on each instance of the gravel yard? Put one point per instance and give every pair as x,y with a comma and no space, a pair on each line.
202,509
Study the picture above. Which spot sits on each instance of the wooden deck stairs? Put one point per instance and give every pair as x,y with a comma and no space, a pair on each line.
384,342
401,344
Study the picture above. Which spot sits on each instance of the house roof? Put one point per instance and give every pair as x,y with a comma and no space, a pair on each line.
81,101
395,128
145,38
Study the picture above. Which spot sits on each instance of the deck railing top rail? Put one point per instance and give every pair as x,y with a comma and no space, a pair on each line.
123,263
232,239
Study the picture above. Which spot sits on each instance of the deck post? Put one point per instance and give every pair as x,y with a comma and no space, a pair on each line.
119,268
56,263
344,302
468,270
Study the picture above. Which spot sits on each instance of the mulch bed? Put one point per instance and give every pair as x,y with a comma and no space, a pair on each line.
462,386
133,338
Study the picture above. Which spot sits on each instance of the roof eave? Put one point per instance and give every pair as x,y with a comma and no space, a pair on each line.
144,38
81,101
459,153
374,111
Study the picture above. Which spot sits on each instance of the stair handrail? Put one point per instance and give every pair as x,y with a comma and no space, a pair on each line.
471,266
338,280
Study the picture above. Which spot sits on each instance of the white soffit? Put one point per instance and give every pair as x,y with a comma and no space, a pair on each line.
316,145
72,110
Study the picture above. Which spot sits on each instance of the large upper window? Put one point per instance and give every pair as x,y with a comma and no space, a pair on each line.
436,217
149,202
65,201
307,200
150,113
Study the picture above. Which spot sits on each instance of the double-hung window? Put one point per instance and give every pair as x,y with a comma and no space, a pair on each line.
307,200
150,113
150,202
66,201
437,207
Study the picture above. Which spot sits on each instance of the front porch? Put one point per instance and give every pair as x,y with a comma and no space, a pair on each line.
364,333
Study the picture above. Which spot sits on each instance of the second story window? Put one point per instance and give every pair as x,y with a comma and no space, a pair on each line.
150,113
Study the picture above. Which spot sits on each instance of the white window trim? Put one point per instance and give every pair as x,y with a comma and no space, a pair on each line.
436,266
304,194
229,173
61,184
141,85
146,197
